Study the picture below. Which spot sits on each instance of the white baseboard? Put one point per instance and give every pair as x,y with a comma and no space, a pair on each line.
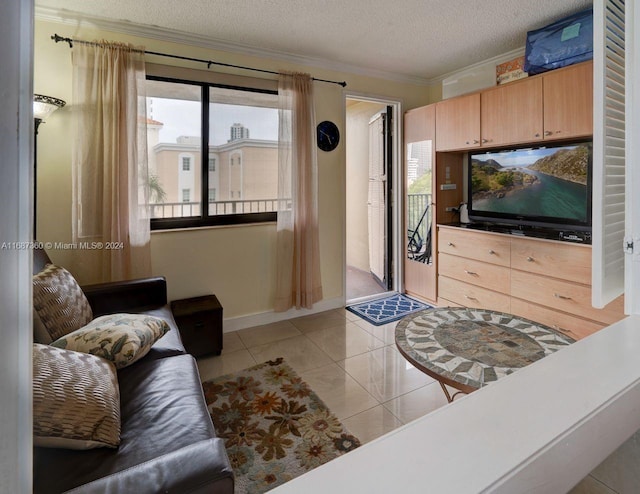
242,322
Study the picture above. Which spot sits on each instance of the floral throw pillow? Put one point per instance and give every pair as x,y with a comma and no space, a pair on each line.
121,338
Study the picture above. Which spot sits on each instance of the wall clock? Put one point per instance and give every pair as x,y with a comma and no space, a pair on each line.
328,135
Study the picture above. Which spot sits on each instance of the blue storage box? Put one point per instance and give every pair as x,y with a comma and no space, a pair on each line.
565,42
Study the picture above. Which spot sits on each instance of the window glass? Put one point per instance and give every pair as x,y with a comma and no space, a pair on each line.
243,133
174,142
236,181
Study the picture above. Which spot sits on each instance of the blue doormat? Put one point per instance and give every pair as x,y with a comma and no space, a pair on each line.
387,309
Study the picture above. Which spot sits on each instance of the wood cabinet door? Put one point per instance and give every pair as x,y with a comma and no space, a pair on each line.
512,113
568,102
458,123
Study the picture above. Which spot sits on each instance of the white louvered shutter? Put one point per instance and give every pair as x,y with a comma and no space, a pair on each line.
608,151
377,200
632,216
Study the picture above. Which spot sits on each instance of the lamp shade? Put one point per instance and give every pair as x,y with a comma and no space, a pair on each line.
43,106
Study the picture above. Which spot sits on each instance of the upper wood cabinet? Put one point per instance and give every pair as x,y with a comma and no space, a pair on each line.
458,123
568,102
550,106
512,113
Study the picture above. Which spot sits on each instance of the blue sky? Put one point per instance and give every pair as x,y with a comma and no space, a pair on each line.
521,157
182,117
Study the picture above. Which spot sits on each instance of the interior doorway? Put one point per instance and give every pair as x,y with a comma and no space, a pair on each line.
370,158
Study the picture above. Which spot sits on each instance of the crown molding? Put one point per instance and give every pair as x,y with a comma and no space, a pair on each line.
71,18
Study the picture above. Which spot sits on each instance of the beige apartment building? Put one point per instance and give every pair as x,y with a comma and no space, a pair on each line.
242,173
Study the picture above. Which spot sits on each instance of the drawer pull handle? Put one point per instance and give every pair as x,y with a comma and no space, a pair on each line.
450,244
471,273
561,297
470,297
530,259
547,132
492,252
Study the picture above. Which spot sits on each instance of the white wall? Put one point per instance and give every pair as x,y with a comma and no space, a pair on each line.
16,124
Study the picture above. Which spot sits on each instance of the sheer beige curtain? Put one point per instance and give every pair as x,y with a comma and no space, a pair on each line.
298,258
110,178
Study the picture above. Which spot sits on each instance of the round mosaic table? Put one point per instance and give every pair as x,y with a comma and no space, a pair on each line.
470,348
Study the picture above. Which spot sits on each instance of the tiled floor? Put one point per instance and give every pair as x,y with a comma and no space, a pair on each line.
357,371
361,284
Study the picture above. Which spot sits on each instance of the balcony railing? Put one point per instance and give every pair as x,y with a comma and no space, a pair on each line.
416,204
418,227
190,209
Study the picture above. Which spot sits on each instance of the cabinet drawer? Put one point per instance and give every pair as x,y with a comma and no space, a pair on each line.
475,272
485,247
575,327
471,295
556,294
567,261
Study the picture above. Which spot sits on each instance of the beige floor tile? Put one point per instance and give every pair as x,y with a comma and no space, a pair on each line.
621,470
371,424
345,341
384,373
591,486
340,392
299,352
268,333
417,403
350,316
321,320
384,332
212,367
231,343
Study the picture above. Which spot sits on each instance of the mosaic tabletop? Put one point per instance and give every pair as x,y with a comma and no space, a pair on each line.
474,347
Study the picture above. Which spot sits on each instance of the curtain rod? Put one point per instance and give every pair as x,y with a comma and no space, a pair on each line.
57,38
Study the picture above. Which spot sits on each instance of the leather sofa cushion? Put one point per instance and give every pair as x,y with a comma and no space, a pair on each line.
162,410
171,343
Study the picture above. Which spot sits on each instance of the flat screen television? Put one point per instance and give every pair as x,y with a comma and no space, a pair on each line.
547,186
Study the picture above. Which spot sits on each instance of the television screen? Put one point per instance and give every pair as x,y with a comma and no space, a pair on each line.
542,186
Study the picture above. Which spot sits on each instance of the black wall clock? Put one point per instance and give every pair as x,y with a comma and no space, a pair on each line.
328,135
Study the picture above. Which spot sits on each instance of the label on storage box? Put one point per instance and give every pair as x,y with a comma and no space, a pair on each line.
510,71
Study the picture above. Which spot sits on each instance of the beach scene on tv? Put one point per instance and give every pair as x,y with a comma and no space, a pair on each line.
550,182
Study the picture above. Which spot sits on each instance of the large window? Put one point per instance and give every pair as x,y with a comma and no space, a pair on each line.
190,123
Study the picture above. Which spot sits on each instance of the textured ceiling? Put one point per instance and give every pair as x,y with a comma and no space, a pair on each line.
408,38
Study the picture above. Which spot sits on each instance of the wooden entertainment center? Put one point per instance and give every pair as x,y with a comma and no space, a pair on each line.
548,281
545,280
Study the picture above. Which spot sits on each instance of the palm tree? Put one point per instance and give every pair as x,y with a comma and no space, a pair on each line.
157,195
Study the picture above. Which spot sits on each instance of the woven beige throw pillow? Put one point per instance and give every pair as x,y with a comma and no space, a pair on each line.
76,400
59,301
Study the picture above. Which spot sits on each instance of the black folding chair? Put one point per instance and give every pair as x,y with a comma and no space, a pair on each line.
418,248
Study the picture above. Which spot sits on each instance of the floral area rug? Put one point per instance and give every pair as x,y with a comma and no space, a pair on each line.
274,426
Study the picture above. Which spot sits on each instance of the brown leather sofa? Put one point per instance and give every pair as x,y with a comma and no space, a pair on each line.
168,442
